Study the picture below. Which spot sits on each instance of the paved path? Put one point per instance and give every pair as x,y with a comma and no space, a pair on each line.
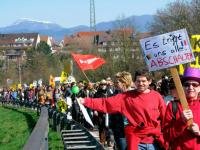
95,133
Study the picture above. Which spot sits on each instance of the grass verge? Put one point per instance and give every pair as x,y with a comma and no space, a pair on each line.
16,126
55,141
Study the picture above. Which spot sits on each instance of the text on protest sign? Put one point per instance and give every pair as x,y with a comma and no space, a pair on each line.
167,50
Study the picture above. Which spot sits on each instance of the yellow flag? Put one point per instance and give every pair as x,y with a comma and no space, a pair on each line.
51,81
63,76
181,69
31,85
19,86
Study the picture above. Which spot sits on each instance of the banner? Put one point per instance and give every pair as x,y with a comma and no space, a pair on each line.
167,50
88,62
195,44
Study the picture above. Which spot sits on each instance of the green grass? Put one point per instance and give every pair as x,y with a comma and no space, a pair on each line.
16,126
55,141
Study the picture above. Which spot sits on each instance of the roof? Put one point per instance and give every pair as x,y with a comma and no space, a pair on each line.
144,35
8,40
68,40
88,33
44,38
16,35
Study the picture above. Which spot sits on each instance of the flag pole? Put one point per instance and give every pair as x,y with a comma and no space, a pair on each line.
85,75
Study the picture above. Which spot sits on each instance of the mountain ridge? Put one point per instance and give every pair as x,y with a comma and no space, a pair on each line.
58,32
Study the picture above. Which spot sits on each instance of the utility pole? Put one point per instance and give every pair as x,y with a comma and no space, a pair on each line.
92,16
93,25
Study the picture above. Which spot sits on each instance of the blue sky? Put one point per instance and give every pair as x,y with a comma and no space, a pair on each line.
68,13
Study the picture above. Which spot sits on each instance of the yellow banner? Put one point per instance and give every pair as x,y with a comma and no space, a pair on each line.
195,44
63,76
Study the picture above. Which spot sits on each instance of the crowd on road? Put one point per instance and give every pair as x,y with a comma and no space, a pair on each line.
130,113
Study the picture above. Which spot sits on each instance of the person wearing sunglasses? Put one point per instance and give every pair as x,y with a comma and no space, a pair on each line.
176,132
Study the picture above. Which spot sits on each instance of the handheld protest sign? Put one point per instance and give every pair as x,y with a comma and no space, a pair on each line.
167,51
85,113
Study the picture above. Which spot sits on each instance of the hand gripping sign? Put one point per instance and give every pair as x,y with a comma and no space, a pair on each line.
167,51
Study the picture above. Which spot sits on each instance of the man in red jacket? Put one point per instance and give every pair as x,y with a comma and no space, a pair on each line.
144,109
176,132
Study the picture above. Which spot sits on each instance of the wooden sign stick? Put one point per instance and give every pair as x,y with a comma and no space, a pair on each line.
180,91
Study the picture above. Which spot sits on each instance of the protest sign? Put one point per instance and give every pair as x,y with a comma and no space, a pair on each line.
40,82
167,50
34,83
85,113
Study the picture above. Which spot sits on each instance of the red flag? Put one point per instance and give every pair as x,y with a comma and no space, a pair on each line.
87,62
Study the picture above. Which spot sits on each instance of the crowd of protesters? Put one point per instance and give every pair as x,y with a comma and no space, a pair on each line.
129,114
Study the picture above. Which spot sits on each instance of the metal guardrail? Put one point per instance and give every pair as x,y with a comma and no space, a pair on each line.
74,135
38,139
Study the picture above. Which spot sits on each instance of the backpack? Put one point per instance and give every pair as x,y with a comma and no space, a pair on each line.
174,109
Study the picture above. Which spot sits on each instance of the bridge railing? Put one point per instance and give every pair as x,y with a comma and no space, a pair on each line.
38,139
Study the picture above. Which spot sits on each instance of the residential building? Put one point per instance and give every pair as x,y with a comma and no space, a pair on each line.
13,46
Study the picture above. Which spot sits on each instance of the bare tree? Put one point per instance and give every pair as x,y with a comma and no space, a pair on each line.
195,16
176,15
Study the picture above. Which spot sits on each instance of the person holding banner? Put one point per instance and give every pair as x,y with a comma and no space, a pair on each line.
143,108
176,132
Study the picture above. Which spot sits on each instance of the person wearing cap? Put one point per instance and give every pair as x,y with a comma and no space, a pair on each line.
176,132
99,116
143,108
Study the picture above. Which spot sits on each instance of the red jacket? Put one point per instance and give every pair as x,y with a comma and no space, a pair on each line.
144,111
175,130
